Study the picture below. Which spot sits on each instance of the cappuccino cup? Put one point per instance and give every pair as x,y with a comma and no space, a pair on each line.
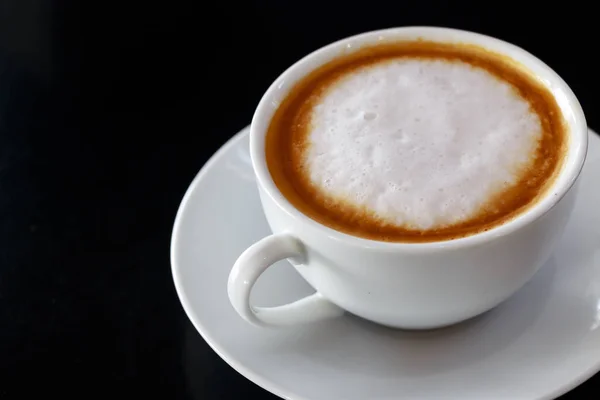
415,177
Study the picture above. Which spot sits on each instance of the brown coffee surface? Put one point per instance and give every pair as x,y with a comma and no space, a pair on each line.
287,142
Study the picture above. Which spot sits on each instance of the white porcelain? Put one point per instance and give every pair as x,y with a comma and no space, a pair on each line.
414,286
538,344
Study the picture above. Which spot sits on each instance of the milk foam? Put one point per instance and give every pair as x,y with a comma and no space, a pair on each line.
420,143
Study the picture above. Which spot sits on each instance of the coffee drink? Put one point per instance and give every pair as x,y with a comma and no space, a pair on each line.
416,142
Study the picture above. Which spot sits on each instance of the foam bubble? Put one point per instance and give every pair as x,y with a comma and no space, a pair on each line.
419,143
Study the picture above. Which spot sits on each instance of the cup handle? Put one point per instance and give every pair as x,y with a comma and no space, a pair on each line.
252,263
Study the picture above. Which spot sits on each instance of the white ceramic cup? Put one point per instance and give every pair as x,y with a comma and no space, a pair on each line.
403,285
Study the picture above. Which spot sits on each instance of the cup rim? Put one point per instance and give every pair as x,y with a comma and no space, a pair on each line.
571,169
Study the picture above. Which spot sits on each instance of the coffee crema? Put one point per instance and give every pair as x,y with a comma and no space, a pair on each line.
416,142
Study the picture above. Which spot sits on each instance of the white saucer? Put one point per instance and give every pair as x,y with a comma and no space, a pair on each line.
539,344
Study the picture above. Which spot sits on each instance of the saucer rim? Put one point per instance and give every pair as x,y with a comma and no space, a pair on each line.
254,377
246,372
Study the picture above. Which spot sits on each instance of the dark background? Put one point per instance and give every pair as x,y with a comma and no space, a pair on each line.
108,110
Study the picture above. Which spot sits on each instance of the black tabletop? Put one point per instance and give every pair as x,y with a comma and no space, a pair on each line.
108,110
